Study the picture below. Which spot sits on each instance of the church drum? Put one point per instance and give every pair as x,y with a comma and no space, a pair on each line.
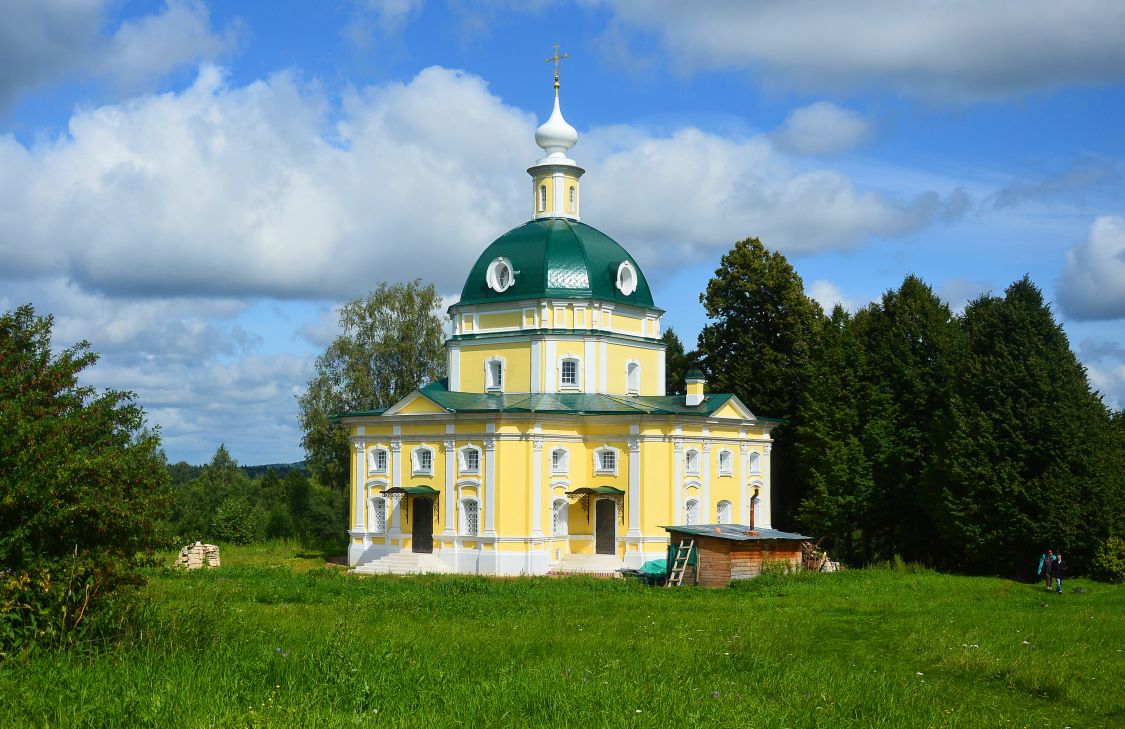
604,515
422,537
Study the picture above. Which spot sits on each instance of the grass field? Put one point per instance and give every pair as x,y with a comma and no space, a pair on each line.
273,638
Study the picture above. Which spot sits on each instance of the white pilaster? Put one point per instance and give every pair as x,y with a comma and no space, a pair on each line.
634,530
455,368
589,354
766,505
536,365
661,375
708,512
393,527
678,478
743,480
603,357
360,478
550,374
450,447
490,483
537,485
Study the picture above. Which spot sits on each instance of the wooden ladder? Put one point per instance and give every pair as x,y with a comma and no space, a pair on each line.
680,564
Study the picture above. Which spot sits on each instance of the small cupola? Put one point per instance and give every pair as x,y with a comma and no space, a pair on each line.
694,386
555,176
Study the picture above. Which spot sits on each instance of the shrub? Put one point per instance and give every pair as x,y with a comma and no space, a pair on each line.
1109,561
83,485
237,521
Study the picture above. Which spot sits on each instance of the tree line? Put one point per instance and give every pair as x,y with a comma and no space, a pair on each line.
968,442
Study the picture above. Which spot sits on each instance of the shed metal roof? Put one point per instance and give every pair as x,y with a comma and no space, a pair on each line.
734,532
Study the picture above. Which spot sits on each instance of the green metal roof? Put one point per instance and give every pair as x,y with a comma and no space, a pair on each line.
570,403
734,532
557,258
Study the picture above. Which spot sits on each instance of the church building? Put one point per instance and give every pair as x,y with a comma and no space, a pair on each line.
552,445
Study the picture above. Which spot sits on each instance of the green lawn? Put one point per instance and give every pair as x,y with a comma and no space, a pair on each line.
273,639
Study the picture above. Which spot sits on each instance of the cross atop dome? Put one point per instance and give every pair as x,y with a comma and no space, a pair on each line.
555,176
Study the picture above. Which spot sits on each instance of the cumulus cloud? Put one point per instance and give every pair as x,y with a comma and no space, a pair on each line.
1092,285
712,190
822,129
959,49
828,295
44,41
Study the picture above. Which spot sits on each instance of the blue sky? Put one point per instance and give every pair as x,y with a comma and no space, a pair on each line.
194,187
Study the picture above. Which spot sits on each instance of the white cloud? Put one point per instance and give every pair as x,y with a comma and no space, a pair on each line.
828,294
822,129
44,41
954,49
1092,285
959,291
1110,382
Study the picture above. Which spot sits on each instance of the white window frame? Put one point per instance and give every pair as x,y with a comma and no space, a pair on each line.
755,463
577,372
378,514
563,466
560,518
688,512
632,381
492,276
464,510
373,460
599,469
727,468
494,366
541,198
626,278
416,468
691,465
463,459
724,506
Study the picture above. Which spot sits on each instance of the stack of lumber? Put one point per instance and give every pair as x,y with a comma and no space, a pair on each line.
198,555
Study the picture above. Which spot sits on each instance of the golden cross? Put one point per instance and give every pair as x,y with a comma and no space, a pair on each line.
556,58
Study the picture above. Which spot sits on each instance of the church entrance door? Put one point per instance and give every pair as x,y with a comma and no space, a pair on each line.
605,535
422,536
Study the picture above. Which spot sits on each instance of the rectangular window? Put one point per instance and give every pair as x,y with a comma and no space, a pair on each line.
607,461
495,375
472,460
569,377
558,461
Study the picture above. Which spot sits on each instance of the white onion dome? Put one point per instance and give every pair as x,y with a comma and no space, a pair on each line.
555,135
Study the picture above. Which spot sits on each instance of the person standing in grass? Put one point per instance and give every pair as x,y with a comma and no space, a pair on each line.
1045,561
1058,567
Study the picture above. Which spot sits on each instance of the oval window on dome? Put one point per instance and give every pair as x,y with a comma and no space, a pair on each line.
500,275
626,278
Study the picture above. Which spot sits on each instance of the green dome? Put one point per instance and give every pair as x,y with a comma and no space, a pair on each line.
556,258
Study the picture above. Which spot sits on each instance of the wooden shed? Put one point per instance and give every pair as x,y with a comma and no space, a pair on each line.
726,552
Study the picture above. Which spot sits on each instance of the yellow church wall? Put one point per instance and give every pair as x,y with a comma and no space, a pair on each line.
421,405
517,366
628,324
617,359
549,182
502,320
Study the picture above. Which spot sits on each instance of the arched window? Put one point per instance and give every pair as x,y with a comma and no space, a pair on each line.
378,520
605,461
633,378
691,512
470,517
542,198
560,460
470,459
723,512
559,511
726,463
377,460
755,463
691,462
568,373
494,375
573,194
422,461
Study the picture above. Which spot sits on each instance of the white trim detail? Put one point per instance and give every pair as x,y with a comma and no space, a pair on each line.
463,459
600,467
500,277
626,278
494,374
726,462
562,464
418,466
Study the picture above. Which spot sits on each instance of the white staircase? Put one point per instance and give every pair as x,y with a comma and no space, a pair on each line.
589,564
403,563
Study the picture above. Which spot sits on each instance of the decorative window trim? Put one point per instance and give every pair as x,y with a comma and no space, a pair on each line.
564,463
728,468
490,383
416,467
463,459
755,463
373,460
722,506
560,518
692,469
626,278
495,278
577,372
599,469
688,521
467,528
377,510
541,199
631,387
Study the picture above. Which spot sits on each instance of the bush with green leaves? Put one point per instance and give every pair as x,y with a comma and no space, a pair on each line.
1108,564
83,485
